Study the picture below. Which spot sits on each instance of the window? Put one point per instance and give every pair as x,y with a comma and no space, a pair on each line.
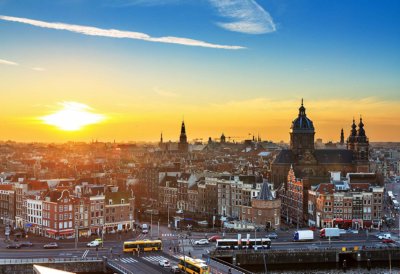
110,202
122,201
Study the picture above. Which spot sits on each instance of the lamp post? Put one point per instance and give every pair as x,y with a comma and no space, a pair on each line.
151,224
158,228
169,225
76,236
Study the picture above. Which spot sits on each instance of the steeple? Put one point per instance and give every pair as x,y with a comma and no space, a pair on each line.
341,137
183,144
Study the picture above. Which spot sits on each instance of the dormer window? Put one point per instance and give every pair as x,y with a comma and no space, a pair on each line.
122,201
110,202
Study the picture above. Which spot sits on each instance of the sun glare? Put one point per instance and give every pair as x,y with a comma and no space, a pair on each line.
73,117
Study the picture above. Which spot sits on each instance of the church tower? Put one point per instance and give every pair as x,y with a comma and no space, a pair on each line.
302,133
183,144
341,137
223,139
352,137
361,147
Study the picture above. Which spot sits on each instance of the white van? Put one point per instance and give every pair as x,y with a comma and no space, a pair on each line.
145,228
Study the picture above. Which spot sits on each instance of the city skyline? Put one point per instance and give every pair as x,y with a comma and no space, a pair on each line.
238,68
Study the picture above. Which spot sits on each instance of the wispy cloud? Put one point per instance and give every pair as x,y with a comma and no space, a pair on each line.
7,62
246,16
165,93
113,33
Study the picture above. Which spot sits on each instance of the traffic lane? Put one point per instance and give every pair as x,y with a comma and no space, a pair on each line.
26,253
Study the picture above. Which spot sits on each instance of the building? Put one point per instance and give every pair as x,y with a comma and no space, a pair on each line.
58,214
265,210
293,200
307,161
7,204
343,204
183,145
119,210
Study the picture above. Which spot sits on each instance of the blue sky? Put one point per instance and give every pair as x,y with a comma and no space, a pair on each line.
319,50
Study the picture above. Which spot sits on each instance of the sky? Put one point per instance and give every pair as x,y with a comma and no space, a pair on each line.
132,69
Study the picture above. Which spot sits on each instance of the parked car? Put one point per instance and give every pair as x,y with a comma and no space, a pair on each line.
214,238
25,244
164,263
272,235
93,243
13,246
51,245
201,242
387,241
175,269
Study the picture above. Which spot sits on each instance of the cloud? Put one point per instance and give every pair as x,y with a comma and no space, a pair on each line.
113,33
246,16
7,62
164,93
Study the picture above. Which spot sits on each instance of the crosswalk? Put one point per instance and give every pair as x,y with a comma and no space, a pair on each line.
168,235
154,259
151,258
128,260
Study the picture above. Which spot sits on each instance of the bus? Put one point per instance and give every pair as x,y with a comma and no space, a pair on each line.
142,245
263,243
193,266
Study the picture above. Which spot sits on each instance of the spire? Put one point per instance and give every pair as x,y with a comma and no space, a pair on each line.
161,139
341,137
361,131
302,109
183,130
353,131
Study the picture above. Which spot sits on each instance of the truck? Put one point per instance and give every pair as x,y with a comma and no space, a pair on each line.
303,235
331,232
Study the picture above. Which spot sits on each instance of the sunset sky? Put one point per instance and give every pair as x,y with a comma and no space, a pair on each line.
134,68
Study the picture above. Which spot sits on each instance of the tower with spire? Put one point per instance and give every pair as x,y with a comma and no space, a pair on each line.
342,137
302,133
361,147
183,145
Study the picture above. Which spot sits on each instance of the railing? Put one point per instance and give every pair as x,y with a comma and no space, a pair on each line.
47,260
119,268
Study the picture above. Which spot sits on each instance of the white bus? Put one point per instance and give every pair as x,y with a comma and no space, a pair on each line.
259,243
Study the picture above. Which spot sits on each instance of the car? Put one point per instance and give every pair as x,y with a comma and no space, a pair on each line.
214,238
385,236
25,244
13,246
164,263
201,242
51,245
145,231
99,240
175,269
387,241
272,235
180,211
93,244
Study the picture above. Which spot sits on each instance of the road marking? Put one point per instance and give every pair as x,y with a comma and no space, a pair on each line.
128,260
154,258
85,253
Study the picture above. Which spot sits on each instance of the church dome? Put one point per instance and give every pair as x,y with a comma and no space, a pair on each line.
302,123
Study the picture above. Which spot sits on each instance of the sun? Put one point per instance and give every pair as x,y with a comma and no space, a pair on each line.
73,116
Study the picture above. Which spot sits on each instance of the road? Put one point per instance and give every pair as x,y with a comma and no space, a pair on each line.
175,245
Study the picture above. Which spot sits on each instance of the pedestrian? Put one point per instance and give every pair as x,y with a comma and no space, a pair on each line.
229,271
